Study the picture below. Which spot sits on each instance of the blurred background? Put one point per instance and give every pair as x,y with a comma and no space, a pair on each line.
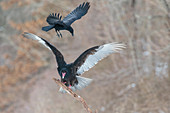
135,81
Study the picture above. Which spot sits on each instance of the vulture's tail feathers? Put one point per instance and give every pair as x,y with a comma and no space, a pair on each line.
82,83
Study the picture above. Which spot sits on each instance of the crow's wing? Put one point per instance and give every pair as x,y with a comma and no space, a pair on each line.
54,19
92,56
77,13
59,56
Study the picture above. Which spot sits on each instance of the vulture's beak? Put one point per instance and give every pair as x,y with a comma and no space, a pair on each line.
63,75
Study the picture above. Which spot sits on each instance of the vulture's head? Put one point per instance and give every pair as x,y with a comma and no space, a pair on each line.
65,76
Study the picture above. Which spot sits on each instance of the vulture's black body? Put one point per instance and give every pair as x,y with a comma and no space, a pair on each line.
54,20
70,73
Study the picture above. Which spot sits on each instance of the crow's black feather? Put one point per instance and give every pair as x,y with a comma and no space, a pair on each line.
54,19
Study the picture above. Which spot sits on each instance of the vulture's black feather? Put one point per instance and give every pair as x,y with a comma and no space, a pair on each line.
70,72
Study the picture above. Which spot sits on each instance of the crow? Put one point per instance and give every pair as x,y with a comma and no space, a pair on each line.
70,73
54,20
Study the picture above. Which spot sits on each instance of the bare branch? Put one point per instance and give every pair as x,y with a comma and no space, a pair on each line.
70,92
166,6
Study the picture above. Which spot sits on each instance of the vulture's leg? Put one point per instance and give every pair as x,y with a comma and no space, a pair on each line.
60,34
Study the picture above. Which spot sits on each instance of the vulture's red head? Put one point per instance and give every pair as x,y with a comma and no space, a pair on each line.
64,76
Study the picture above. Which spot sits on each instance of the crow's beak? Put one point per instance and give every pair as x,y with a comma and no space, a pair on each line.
72,34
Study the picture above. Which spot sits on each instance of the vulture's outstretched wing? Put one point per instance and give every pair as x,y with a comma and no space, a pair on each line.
54,18
77,13
59,56
92,56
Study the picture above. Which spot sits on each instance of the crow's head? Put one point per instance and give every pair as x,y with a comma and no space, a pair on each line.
70,29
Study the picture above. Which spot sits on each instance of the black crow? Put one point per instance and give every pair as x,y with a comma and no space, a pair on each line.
70,73
54,20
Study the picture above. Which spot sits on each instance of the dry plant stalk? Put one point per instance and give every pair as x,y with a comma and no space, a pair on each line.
77,97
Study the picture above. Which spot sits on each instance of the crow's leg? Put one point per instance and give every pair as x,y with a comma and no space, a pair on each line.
60,34
57,33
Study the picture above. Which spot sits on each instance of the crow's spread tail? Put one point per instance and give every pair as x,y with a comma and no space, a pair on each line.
47,28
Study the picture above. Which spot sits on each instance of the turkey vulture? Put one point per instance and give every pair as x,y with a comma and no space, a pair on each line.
54,20
70,73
